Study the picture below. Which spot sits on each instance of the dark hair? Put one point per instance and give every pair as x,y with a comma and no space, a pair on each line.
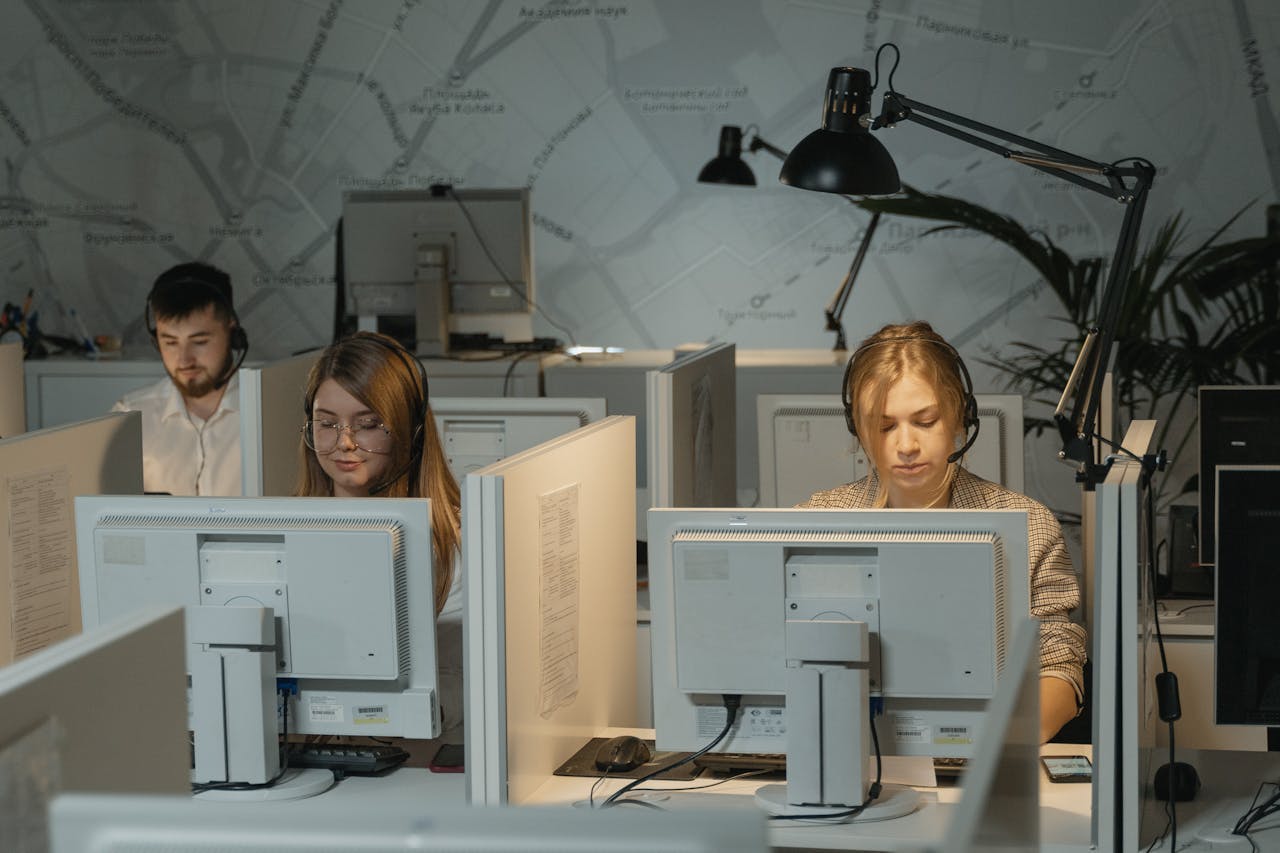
187,288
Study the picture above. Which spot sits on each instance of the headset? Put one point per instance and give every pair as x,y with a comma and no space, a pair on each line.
969,406
420,411
218,283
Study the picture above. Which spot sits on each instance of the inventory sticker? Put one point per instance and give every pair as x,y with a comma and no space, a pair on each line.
908,728
325,709
365,715
953,735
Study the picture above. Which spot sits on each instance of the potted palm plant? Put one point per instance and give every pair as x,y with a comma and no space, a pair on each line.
1207,314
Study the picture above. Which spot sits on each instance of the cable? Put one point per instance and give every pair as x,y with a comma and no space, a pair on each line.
732,702
485,246
872,792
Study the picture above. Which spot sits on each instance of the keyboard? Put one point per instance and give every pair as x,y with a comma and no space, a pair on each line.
740,762
734,762
346,759
949,768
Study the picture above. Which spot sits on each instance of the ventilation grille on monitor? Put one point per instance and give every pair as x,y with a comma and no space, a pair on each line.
1002,423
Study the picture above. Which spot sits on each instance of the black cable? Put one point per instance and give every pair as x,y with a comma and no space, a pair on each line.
897,57
732,702
1166,677
872,793
485,246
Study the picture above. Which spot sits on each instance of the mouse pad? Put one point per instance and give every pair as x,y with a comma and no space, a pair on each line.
583,763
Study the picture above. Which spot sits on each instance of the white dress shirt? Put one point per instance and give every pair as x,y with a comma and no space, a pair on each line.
182,454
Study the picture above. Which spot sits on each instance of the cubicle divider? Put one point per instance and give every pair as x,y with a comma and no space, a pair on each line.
270,416
549,559
41,474
13,390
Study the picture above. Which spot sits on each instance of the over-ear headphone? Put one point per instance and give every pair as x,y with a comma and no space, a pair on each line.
969,406
190,275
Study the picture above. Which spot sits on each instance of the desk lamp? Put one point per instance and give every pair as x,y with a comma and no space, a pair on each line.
728,167
843,157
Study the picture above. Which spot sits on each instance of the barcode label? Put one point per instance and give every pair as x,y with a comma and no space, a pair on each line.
325,709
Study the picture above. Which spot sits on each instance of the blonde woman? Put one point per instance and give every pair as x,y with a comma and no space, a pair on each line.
909,402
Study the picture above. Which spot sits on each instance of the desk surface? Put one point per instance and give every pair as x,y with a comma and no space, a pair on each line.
1065,811
1186,617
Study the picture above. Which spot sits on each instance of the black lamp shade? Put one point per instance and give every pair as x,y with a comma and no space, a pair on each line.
842,156
727,167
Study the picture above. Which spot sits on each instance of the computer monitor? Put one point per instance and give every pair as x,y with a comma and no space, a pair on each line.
1237,427
805,445
1246,630
478,431
690,413
13,390
737,594
102,711
421,264
346,583
120,824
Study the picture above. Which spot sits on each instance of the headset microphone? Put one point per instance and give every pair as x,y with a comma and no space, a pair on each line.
218,283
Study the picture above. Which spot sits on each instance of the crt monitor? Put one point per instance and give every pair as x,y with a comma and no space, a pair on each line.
1237,427
737,594
420,264
478,431
348,581
805,445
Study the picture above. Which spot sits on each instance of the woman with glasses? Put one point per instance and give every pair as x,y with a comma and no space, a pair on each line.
369,432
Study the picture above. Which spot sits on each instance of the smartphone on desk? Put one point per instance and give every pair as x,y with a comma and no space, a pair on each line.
449,758
1067,768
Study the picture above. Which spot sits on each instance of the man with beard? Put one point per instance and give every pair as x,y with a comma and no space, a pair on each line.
191,419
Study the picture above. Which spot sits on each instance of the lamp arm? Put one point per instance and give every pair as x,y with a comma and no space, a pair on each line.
1092,363
1125,184
758,144
1054,161
835,309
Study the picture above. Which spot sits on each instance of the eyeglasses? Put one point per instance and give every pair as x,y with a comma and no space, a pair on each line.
369,434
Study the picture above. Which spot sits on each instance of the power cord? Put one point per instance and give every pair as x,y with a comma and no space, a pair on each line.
732,703
485,246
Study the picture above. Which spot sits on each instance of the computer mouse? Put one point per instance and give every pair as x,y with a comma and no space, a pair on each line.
622,753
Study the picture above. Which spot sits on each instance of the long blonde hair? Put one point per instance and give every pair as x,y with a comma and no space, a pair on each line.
384,376
884,358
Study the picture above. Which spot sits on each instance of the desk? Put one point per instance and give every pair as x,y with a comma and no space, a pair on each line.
1065,812
413,789
1229,780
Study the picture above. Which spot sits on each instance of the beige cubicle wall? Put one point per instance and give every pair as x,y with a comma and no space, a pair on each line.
13,394
271,415
41,474
549,560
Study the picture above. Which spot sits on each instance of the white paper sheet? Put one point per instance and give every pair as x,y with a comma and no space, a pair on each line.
40,546
558,523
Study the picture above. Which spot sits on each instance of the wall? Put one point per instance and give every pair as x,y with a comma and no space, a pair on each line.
140,133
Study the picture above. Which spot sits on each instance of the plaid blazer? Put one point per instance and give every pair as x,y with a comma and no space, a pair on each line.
1055,591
